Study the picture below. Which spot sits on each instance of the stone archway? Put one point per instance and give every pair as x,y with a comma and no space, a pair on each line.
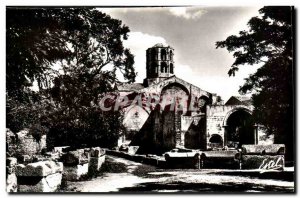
216,141
239,128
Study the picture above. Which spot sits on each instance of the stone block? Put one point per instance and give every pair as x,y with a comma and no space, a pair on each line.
264,149
11,178
73,158
11,161
95,163
11,182
263,162
60,149
53,156
28,145
48,183
97,152
39,169
75,172
44,176
132,150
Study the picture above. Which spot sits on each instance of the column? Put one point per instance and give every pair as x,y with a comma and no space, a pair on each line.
225,135
255,133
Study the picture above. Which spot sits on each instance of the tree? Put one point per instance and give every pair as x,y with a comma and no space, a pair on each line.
39,37
85,48
269,42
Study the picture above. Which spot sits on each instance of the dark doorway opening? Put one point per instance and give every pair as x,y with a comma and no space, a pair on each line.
240,129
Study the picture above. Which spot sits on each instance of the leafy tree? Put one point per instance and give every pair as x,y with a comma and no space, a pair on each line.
73,54
269,42
39,37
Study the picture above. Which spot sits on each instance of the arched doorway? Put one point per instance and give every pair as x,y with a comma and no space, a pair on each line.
239,129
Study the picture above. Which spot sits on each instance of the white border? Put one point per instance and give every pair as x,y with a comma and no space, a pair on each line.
5,3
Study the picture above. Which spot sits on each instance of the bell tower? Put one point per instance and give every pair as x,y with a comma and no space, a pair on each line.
159,63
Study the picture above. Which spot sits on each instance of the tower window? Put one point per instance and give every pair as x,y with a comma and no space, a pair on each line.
163,67
171,68
154,68
153,54
163,54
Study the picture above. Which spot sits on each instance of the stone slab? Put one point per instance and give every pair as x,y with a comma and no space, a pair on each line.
49,183
263,162
39,169
97,152
260,149
73,173
11,183
132,150
95,163
75,157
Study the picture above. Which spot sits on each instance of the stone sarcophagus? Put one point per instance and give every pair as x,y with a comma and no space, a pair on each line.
76,164
97,158
44,176
263,157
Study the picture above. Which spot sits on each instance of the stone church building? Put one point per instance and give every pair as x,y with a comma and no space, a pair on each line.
183,115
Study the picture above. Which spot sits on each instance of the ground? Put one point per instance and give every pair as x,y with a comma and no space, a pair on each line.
121,175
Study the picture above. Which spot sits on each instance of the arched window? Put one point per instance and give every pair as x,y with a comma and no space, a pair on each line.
203,101
163,67
216,141
171,68
163,54
154,68
153,54
171,55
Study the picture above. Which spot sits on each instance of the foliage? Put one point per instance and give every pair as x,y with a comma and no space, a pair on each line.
269,41
39,37
73,54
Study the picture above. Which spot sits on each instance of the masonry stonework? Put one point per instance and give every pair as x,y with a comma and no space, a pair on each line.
183,115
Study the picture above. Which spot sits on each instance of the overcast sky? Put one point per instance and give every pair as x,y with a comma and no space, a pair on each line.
192,32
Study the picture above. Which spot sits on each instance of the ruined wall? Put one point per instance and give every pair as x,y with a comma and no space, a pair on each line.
194,131
22,143
165,129
28,145
217,116
158,134
134,118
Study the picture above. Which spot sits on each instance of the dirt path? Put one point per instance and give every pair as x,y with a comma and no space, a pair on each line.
121,175
111,181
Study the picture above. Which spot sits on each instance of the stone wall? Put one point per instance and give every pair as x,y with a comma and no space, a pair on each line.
194,130
157,134
23,144
217,116
134,118
27,145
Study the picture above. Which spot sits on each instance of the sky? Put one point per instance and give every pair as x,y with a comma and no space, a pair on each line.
192,32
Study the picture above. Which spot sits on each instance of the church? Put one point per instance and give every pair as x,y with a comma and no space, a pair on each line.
175,113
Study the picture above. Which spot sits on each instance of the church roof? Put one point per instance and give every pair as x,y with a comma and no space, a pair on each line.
238,100
130,87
